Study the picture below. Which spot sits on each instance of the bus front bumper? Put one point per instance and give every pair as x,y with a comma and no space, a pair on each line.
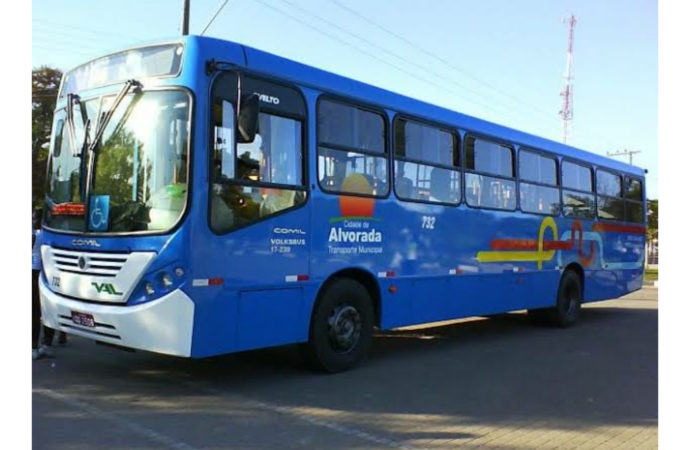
163,325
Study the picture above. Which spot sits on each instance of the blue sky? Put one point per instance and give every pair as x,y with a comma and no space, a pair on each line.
499,60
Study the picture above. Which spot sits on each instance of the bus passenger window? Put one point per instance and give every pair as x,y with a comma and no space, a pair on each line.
634,205
610,204
538,184
490,174
425,163
352,150
578,191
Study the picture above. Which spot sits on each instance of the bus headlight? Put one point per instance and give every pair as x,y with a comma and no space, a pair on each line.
157,283
166,280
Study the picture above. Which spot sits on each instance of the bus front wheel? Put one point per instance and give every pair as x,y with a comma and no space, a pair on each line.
342,327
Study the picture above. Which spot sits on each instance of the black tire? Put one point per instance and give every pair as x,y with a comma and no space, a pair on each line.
342,327
569,301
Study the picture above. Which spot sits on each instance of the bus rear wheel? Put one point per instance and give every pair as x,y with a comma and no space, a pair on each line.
342,327
569,301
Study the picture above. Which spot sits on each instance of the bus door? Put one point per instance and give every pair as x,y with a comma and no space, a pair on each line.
258,194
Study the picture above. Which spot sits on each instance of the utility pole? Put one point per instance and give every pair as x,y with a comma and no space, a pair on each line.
630,154
566,112
185,18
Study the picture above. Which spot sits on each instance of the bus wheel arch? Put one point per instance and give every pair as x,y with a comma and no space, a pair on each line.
363,277
577,268
342,322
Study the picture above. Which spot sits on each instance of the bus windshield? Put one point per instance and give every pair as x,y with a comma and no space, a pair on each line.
139,171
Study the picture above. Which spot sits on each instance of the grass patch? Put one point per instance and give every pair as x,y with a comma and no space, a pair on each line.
651,274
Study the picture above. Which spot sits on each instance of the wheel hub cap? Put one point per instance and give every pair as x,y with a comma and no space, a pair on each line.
344,327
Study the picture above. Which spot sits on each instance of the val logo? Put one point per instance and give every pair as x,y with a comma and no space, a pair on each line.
108,288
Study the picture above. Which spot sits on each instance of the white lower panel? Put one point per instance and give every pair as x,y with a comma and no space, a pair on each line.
164,325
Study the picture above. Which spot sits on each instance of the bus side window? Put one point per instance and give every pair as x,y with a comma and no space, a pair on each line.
489,175
578,191
610,204
539,183
634,205
257,179
352,150
426,163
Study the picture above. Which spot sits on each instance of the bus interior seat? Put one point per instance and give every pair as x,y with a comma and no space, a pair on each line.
357,183
404,187
440,184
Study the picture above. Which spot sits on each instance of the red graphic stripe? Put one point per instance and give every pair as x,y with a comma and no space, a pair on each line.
529,244
533,245
619,228
513,244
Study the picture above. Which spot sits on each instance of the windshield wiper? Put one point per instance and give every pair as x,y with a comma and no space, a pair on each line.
99,130
105,119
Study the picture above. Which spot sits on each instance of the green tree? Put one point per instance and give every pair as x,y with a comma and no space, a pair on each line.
652,219
45,82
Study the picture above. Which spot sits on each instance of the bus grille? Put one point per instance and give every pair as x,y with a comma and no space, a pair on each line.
83,263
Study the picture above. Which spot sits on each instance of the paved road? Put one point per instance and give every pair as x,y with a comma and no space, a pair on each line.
491,383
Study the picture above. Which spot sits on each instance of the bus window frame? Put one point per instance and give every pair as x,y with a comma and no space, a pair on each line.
304,121
558,184
465,171
457,157
347,101
190,165
584,164
626,180
593,192
621,176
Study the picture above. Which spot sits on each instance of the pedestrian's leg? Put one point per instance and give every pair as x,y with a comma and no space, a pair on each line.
48,335
62,338
35,310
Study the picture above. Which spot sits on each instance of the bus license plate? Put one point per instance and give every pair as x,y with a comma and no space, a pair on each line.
83,319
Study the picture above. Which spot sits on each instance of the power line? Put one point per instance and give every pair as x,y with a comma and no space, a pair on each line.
225,2
441,59
456,68
83,29
372,55
84,39
71,42
61,50
388,52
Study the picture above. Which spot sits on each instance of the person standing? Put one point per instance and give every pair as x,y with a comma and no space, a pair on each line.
43,350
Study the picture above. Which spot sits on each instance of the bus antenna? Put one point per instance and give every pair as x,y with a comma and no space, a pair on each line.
185,17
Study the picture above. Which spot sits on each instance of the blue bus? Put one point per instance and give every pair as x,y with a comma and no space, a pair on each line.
205,197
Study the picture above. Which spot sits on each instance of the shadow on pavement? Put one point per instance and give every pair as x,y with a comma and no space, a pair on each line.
502,370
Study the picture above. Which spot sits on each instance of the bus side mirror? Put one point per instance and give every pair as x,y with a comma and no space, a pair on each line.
248,119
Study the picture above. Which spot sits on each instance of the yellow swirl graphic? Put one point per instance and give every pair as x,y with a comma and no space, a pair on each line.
540,255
